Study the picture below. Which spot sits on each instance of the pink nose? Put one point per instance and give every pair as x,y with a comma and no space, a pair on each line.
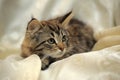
60,46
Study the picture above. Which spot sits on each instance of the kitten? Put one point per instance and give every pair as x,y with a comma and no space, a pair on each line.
57,39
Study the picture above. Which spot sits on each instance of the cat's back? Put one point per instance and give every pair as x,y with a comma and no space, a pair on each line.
81,35
77,27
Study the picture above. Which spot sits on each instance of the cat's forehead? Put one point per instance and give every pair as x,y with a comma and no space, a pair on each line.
51,23
53,27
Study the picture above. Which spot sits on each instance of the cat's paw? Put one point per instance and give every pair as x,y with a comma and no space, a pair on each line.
45,64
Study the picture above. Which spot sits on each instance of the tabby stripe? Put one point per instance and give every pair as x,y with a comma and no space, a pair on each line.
40,44
61,32
50,27
39,49
58,32
58,27
52,34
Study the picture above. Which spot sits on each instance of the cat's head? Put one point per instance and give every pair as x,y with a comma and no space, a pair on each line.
47,37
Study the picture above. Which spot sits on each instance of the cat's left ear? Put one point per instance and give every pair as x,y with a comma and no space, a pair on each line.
33,25
66,19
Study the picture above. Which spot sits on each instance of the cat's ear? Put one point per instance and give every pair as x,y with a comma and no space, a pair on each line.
33,25
66,19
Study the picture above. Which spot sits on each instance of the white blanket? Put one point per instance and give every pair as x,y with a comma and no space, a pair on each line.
96,65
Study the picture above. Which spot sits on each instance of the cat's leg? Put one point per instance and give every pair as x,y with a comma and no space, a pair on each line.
45,63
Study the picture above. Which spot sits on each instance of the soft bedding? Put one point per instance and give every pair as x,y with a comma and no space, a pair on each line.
96,65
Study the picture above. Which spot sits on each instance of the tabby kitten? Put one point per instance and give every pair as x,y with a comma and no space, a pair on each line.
57,39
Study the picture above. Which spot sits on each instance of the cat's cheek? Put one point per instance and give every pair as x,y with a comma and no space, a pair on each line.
25,51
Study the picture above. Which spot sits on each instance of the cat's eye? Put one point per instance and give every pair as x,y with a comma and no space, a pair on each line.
64,38
51,41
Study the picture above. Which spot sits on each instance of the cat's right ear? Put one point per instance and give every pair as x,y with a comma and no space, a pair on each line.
33,25
66,18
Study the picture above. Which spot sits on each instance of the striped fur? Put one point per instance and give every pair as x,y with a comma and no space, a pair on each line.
56,39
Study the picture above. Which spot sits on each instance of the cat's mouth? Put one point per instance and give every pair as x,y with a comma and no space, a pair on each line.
57,54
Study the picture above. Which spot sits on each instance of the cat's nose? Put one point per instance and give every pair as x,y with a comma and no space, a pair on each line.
60,46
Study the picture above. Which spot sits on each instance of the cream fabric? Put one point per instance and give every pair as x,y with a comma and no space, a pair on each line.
96,65
106,38
16,68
